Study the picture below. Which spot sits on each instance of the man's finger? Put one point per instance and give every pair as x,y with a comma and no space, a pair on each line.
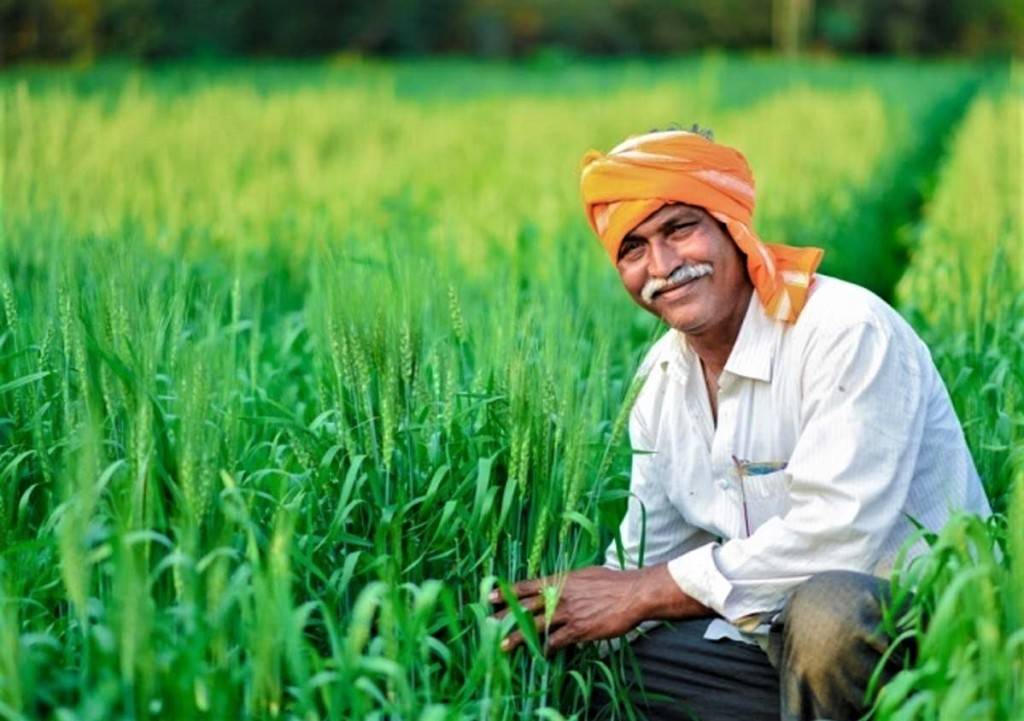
520,590
530,587
515,638
511,641
561,638
530,605
543,624
540,620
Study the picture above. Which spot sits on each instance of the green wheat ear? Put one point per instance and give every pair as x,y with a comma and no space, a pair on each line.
551,595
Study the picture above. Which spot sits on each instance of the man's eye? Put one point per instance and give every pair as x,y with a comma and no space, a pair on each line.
679,226
631,250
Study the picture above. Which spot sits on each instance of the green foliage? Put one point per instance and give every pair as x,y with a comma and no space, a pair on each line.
297,363
965,290
545,31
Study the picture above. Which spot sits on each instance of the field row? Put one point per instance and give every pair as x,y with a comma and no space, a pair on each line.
964,289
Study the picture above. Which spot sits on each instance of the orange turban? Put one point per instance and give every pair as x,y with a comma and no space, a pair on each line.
644,173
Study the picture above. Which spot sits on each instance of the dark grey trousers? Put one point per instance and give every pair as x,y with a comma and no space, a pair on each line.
821,653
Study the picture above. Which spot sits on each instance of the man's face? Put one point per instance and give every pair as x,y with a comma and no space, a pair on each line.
682,266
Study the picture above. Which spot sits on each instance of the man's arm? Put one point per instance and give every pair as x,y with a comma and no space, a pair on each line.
597,602
863,412
608,601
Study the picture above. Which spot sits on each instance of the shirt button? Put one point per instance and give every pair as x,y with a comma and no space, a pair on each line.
722,483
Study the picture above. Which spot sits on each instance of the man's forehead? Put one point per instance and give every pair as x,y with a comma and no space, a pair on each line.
671,211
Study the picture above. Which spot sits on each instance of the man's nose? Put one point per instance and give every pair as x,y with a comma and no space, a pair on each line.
662,259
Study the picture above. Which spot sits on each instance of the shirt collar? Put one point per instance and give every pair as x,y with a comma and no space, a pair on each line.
753,352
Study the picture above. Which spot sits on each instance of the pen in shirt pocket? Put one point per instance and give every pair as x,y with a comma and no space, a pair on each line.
753,468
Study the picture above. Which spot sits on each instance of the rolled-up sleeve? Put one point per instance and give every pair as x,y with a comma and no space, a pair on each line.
862,415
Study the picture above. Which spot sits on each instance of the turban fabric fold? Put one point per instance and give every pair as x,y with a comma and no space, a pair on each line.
644,173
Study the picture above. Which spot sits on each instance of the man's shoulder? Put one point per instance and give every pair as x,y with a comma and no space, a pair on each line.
840,312
834,305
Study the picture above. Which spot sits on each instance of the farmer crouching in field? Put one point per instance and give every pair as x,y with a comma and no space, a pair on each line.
789,427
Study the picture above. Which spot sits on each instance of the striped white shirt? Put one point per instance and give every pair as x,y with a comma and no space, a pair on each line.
832,433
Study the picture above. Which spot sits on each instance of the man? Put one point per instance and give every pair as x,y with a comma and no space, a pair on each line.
789,427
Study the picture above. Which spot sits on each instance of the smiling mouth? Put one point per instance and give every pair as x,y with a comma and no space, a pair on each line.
675,286
680,277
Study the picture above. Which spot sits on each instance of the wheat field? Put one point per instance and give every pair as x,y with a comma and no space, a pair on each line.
299,360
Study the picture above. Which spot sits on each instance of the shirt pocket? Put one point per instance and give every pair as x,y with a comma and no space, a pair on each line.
765,496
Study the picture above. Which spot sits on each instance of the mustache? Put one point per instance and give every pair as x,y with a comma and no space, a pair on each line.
680,275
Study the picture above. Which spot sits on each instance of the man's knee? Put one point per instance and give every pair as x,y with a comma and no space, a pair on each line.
832,616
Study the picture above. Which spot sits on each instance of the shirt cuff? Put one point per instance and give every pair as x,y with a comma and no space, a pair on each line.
744,603
697,574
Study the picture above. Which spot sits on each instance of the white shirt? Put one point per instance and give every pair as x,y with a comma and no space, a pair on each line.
848,398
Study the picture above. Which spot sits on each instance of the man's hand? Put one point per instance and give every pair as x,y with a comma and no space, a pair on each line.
597,602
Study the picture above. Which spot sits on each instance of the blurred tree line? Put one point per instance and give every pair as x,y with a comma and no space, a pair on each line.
151,29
